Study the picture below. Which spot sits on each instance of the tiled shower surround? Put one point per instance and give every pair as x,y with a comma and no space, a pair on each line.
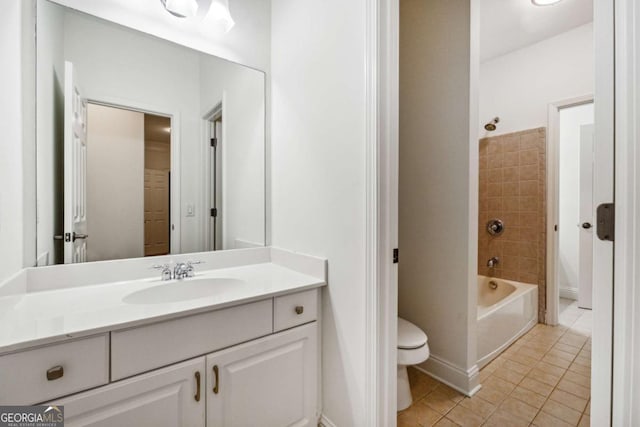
513,189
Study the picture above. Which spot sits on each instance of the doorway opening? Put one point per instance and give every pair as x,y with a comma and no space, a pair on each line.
128,183
574,255
214,196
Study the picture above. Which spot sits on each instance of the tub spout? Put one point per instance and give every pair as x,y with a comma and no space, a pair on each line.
493,261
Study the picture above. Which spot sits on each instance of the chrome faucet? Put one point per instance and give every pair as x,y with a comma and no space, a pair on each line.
493,261
181,270
165,273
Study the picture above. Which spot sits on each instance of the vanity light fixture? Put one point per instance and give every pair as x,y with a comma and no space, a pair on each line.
545,2
181,8
219,15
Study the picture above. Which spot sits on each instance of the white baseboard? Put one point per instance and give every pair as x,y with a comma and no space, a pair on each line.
326,422
569,293
466,382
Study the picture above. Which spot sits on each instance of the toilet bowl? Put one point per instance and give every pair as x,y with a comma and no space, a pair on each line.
412,350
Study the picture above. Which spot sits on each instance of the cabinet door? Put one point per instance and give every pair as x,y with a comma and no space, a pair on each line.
270,382
163,398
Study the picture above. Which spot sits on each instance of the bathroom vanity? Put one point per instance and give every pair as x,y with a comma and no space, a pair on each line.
234,345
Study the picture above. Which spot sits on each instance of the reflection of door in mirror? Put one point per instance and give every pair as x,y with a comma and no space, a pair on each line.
75,166
157,177
215,180
128,169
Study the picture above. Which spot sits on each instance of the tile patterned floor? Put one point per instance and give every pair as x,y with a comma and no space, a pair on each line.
542,380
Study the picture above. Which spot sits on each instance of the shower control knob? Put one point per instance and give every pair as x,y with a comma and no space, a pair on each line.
586,225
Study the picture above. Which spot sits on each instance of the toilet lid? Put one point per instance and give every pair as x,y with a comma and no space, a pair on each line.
409,335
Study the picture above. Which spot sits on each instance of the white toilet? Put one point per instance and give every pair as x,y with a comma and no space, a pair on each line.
412,349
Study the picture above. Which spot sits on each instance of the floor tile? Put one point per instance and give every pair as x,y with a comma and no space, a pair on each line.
545,420
529,397
558,410
568,399
465,417
439,401
419,415
519,409
543,380
505,419
479,406
536,386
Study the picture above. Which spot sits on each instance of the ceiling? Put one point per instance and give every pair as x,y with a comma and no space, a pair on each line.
508,25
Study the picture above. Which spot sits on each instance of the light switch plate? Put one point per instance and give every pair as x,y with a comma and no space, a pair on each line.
191,210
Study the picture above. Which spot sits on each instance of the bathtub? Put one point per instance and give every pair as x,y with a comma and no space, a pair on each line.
504,315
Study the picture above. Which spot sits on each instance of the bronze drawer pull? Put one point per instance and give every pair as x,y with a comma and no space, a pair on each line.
299,309
216,379
197,396
55,373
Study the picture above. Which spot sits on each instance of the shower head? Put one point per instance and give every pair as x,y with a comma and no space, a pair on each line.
491,126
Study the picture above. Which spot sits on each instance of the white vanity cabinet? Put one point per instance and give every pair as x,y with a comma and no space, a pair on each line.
266,382
168,397
233,367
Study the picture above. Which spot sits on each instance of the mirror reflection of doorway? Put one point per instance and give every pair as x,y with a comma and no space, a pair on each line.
215,180
157,184
128,183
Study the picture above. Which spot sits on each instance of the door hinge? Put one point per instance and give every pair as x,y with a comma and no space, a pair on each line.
396,255
606,218
214,142
214,212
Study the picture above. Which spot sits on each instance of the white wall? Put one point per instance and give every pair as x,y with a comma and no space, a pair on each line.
242,146
438,205
318,175
11,147
115,183
571,119
519,86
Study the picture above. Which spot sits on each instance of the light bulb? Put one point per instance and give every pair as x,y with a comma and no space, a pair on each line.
181,8
219,15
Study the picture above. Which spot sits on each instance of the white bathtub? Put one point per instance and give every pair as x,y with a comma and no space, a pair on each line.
504,315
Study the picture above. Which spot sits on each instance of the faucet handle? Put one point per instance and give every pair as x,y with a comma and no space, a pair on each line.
166,271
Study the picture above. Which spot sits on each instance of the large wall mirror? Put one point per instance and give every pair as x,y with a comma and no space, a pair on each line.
144,147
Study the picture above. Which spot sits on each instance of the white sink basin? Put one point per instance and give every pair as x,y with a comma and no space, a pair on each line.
182,290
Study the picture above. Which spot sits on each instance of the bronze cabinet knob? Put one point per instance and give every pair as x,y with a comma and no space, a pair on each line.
299,309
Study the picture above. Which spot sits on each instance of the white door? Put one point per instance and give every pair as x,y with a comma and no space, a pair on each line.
169,397
156,212
585,251
75,169
269,382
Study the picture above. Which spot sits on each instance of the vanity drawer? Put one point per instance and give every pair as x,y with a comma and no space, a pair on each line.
44,373
295,309
149,347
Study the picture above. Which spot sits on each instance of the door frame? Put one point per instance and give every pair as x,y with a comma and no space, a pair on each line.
175,216
626,298
382,63
207,117
553,201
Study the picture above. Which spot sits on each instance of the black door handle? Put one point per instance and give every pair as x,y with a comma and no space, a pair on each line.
586,225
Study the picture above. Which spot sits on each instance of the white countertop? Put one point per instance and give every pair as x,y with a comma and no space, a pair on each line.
36,318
